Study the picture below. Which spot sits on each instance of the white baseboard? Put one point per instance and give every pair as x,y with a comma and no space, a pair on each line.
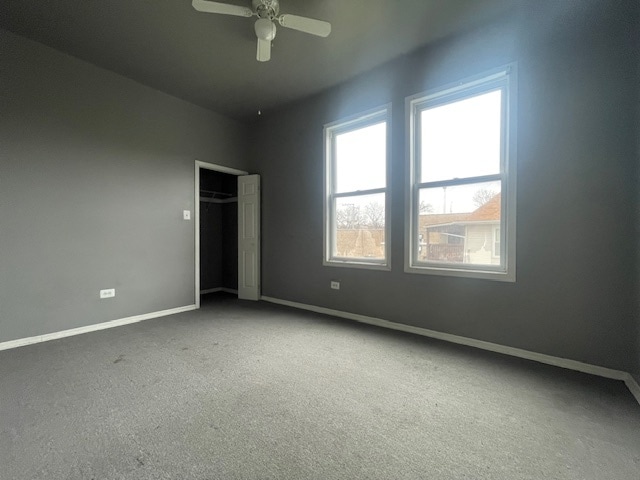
218,289
493,347
92,328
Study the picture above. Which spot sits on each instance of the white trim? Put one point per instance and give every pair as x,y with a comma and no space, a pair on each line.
93,328
470,342
218,168
506,75
469,83
355,263
359,120
229,290
633,386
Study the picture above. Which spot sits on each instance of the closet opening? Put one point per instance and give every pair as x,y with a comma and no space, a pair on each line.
216,230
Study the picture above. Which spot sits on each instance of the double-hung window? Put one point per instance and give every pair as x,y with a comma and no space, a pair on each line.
461,179
356,197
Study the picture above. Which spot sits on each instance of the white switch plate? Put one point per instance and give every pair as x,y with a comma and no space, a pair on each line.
335,285
186,214
108,293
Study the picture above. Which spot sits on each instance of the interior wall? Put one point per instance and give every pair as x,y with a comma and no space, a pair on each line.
575,293
95,172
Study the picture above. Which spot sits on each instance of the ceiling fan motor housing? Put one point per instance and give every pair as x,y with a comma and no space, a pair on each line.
266,8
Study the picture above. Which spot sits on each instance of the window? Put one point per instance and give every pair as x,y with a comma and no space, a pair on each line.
462,179
356,200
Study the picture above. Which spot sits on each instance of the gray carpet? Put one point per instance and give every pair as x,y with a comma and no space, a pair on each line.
242,390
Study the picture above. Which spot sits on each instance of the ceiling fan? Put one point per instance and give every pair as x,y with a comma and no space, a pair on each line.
267,12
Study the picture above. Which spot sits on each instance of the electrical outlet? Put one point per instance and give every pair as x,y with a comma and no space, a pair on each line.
108,293
335,285
186,214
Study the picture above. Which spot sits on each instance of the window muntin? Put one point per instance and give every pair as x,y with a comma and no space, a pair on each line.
460,180
356,206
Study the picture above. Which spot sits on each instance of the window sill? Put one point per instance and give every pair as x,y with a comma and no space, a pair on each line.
495,275
356,264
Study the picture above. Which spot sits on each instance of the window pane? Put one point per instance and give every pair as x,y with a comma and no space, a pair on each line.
461,139
359,227
360,159
457,224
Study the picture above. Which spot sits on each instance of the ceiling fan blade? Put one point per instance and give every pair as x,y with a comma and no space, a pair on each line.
307,25
264,50
223,8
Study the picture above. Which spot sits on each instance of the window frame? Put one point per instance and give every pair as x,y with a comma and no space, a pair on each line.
496,239
504,78
330,131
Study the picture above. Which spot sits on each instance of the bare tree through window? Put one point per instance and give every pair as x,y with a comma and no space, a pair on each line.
482,196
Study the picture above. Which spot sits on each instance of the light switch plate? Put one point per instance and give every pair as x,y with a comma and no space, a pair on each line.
186,214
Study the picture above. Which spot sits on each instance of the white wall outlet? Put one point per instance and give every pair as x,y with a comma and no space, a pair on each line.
108,293
335,285
186,214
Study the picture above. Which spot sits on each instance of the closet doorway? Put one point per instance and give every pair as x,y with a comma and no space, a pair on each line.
216,223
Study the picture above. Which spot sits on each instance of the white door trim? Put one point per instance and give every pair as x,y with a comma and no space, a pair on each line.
196,196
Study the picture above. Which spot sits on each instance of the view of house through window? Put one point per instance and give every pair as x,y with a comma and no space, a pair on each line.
356,187
459,176
463,229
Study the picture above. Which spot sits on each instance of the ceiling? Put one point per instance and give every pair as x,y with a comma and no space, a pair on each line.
209,59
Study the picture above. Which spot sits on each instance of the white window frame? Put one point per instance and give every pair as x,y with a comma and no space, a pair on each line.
496,239
504,78
364,119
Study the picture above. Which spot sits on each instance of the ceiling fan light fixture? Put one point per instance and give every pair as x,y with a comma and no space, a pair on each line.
268,12
265,29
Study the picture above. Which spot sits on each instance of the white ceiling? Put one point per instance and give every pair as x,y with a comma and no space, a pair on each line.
209,59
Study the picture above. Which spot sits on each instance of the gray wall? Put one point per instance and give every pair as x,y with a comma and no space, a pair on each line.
95,171
575,295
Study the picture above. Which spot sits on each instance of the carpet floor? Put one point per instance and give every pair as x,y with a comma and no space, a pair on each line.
250,390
